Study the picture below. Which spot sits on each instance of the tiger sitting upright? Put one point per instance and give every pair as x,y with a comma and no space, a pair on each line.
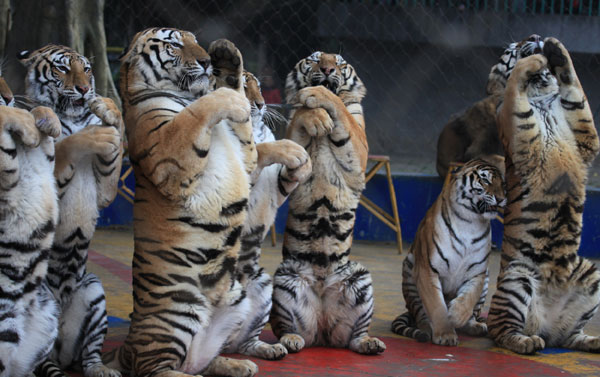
28,215
282,165
320,297
445,274
546,292
192,152
88,165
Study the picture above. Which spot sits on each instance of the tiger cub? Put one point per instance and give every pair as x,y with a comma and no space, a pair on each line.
28,216
445,274
546,292
320,297
282,165
192,152
88,164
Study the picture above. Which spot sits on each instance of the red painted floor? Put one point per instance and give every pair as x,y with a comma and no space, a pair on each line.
111,260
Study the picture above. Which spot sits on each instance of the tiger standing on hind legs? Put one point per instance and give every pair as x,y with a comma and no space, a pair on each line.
192,151
87,169
320,297
546,292
281,166
28,217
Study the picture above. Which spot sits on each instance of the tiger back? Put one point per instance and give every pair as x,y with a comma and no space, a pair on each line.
192,151
87,169
445,273
28,217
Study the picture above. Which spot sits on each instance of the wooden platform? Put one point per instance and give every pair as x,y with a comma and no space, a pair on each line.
110,258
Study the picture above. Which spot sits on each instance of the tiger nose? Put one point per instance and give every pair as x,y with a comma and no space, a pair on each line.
204,63
326,70
260,105
7,99
82,89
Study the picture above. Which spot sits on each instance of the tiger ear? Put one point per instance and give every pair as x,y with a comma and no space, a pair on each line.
25,58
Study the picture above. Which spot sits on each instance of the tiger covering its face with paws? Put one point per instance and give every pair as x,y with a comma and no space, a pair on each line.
28,216
546,292
192,151
445,274
282,166
88,164
320,297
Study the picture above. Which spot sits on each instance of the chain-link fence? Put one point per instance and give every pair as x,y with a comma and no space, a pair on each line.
421,61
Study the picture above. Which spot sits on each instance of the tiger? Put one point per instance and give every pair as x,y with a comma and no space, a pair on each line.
546,293
87,169
320,297
28,216
281,166
473,134
445,273
192,151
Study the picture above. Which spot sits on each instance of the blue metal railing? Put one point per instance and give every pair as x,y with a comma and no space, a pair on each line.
541,7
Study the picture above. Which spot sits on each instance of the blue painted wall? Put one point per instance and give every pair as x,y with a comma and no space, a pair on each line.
415,194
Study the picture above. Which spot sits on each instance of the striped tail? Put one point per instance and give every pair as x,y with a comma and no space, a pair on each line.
404,325
49,369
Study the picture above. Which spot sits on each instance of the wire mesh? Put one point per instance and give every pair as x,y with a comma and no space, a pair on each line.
421,60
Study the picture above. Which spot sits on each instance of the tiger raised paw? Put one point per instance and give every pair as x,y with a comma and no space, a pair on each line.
445,274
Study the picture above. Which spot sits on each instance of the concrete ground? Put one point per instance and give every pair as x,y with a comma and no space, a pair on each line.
110,259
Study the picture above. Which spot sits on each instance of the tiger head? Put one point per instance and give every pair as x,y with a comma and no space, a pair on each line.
254,96
517,50
60,78
329,70
166,59
479,186
6,95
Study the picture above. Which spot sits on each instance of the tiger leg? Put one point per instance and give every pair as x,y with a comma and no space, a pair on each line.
294,316
583,303
26,338
414,323
83,326
460,309
476,326
511,309
259,292
430,291
348,306
573,99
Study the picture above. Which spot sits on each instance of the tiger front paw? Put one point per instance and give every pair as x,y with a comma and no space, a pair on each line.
46,121
445,338
528,66
227,62
319,97
104,141
293,342
106,109
227,104
19,123
316,122
559,60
